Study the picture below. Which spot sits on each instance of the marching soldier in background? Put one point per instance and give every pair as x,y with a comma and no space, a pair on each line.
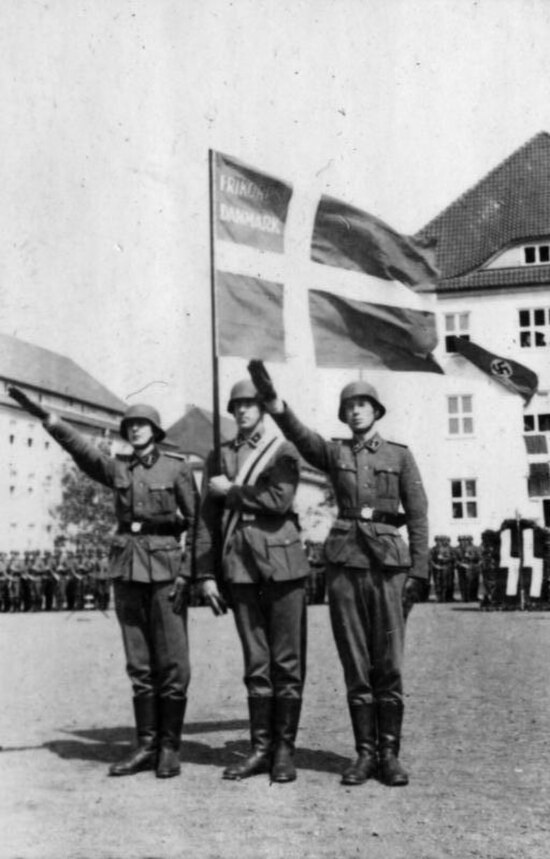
72,580
266,568
442,565
15,583
368,566
468,563
61,573
48,580
4,585
155,501
102,584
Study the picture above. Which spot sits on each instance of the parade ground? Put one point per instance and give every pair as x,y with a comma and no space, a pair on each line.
476,744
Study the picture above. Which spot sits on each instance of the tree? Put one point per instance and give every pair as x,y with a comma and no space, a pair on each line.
86,515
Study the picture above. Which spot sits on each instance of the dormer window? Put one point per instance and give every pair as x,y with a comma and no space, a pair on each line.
534,254
522,255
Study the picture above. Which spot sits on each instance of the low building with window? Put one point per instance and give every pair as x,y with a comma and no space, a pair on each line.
31,465
492,247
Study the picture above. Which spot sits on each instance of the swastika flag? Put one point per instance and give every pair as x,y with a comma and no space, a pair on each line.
516,377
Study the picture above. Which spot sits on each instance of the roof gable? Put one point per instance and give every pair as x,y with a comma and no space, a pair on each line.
26,364
512,203
194,433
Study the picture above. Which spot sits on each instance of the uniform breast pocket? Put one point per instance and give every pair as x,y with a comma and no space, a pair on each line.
387,482
344,478
123,489
161,499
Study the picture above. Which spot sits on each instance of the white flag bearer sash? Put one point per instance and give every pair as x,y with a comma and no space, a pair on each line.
253,466
529,560
510,563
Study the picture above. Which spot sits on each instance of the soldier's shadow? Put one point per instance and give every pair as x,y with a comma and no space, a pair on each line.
109,745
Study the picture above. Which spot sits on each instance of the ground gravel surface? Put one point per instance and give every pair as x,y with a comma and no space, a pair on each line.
476,743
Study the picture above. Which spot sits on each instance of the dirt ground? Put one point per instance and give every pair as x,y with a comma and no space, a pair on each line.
476,744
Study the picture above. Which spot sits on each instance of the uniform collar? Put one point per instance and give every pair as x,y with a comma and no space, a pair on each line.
371,444
251,440
146,461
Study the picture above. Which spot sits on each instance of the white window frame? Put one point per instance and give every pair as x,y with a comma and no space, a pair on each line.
528,333
460,421
465,499
456,324
540,254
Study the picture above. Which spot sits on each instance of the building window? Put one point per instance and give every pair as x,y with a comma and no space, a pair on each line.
456,325
460,411
464,499
536,423
29,442
538,482
534,254
534,327
12,439
528,423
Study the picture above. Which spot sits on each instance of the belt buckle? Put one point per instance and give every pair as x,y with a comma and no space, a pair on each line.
136,527
366,512
248,517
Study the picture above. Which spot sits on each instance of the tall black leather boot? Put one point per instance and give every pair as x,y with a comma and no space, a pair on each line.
363,720
171,715
261,734
390,719
287,719
144,757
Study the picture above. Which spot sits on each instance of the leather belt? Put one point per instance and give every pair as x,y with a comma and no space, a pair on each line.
368,514
247,518
148,529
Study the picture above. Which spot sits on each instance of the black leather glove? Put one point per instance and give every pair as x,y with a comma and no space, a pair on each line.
411,594
262,381
179,594
26,403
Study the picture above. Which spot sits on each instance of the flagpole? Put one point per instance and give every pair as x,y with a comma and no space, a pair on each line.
214,324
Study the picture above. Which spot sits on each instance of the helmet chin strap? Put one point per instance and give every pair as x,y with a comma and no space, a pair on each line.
364,432
142,447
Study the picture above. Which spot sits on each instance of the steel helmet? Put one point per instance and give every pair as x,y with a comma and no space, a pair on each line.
360,389
243,390
146,413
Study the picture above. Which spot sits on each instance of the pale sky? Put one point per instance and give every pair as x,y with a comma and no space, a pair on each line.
109,109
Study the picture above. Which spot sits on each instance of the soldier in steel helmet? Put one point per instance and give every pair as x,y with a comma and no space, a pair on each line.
378,488
155,501
247,506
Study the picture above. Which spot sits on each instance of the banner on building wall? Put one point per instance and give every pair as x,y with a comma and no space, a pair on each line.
250,207
250,312
516,377
349,333
349,238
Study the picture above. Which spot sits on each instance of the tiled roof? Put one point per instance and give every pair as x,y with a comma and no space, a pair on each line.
193,433
26,364
496,278
512,203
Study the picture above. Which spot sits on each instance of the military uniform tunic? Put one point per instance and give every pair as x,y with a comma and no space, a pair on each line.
155,500
378,487
264,564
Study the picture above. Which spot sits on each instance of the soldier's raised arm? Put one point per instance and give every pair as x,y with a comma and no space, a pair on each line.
87,457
